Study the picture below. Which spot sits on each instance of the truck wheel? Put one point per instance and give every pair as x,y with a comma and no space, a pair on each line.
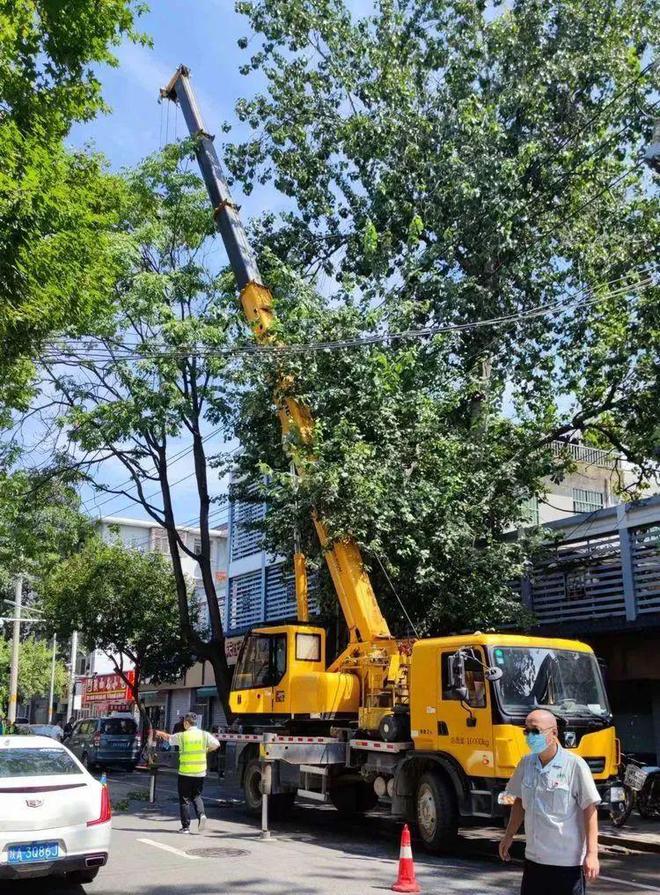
437,819
279,805
353,798
252,786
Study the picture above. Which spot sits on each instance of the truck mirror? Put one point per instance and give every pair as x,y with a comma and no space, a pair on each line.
457,675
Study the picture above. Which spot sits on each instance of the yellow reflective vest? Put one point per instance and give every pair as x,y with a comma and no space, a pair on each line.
192,752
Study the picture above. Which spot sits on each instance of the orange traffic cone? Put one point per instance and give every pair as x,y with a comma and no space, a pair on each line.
406,881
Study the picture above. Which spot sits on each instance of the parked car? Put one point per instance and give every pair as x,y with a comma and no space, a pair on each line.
106,741
54,731
55,817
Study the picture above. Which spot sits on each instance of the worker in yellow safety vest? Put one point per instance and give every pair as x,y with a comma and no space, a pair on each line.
193,745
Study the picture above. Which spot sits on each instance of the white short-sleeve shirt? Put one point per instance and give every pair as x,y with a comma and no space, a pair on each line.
554,798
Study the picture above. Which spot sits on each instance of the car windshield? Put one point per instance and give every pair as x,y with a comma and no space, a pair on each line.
567,682
116,726
36,762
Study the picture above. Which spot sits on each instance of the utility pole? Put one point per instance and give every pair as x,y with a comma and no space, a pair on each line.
15,645
52,679
72,675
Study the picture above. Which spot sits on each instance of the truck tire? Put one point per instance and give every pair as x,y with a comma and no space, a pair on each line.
394,728
279,805
436,815
353,798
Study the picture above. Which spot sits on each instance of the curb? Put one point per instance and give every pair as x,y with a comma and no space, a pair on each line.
630,842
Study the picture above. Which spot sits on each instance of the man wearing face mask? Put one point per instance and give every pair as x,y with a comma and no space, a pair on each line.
557,798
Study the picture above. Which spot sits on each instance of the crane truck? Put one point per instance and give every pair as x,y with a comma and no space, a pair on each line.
431,727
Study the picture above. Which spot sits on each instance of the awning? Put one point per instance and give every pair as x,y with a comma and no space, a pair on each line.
206,692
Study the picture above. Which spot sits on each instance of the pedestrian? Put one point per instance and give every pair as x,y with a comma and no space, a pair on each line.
57,732
193,745
178,727
557,798
2,725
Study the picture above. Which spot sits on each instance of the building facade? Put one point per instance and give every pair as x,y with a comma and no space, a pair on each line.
166,703
599,581
594,484
259,588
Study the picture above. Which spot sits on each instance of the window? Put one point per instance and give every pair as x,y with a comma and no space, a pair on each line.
474,679
160,543
262,662
530,510
197,545
585,501
36,762
119,726
308,647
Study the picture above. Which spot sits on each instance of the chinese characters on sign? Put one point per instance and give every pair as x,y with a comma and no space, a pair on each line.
104,687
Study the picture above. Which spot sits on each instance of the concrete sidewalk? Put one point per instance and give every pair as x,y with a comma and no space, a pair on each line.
638,834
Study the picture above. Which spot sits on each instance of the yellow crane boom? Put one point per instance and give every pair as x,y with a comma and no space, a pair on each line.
355,593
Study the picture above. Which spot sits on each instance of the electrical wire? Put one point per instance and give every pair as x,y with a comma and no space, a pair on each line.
562,305
394,591
175,459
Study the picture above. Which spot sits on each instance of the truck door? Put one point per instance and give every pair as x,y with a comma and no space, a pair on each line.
465,726
261,666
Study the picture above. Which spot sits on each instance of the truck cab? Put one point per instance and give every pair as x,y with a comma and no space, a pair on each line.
470,696
281,675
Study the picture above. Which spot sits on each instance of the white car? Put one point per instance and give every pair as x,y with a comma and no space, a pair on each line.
55,818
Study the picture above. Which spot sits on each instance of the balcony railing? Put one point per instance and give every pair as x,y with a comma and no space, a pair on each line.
582,453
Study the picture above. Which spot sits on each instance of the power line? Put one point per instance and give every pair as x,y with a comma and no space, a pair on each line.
175,459
565,304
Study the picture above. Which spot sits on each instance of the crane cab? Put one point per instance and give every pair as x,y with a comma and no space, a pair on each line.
281,674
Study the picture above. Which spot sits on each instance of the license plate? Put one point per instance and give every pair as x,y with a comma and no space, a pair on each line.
33,852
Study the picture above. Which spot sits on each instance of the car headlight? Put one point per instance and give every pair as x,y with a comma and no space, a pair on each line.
617,794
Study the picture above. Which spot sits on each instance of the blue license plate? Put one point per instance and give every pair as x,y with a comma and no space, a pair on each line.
33,852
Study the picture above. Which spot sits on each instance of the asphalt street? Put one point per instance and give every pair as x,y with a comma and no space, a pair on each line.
314,852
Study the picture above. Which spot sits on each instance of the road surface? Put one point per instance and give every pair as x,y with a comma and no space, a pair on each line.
314,852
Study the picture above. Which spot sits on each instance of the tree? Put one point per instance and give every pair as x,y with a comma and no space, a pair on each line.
40,524
57,208
35,663
144,386
124,603
450,164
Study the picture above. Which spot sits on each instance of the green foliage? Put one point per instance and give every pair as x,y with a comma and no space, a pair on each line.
35,663
58,258
451,162
156,376
121,601
40,523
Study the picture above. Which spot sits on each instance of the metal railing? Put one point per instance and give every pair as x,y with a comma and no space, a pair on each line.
582,453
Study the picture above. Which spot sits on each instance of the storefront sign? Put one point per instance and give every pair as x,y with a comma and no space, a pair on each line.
107,688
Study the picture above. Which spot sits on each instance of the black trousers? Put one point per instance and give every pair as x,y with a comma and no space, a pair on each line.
190,792
549,879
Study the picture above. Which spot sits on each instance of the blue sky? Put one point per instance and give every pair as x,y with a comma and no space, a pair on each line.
204,35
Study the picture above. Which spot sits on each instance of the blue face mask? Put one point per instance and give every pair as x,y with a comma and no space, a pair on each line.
536,742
